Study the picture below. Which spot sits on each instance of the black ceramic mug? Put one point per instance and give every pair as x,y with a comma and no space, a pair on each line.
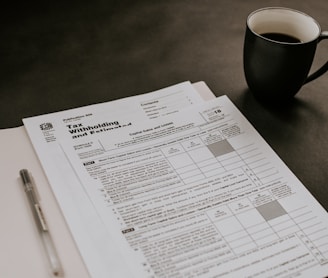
279,48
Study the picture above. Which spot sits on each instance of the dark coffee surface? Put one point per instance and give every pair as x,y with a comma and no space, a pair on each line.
56,55
281,37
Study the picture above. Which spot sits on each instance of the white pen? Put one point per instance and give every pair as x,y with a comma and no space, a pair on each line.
46,239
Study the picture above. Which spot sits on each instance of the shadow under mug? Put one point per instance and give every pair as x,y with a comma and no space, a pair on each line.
279,48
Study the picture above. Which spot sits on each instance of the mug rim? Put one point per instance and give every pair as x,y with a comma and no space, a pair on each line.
283,9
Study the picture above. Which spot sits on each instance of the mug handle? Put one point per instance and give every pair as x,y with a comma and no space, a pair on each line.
324,68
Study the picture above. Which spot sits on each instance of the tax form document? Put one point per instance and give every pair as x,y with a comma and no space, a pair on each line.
97,250
199,194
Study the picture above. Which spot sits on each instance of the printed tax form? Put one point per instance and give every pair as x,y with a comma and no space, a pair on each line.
201,194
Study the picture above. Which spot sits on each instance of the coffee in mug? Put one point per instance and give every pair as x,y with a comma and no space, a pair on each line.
279,47
279,37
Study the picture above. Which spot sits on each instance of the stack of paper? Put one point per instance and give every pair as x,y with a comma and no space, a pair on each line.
168,184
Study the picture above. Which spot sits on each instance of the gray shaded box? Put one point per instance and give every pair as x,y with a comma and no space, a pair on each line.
220,148
271,210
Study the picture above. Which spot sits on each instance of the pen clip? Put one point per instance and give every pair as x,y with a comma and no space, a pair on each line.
41,217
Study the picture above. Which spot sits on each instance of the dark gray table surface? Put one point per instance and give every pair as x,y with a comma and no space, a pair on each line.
64,54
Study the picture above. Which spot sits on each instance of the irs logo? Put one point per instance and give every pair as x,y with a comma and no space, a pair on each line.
46,126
